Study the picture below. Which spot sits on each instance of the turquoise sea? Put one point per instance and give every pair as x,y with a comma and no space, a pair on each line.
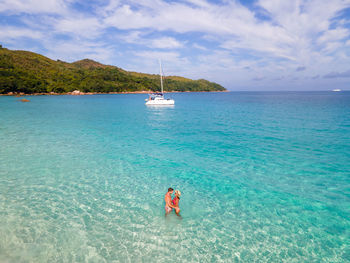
264,176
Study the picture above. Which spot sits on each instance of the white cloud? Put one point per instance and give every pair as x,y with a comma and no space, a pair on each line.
177,17
89,27
33,6
333,35
166,42
199,3
110,7
197,46
71,51
155,55
173,62
138,37
132,37
10,32
305,21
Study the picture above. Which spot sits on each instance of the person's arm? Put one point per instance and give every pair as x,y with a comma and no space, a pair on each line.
168,203
171,205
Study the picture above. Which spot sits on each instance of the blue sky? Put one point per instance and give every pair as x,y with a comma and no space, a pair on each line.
243,45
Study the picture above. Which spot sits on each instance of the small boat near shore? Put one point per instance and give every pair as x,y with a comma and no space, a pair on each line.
336,90
158,98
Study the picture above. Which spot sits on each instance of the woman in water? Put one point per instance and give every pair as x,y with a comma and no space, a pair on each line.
176,201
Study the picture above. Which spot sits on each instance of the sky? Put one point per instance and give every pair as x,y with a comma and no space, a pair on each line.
242,45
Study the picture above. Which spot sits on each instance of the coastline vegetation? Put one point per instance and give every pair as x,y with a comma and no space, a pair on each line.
29,73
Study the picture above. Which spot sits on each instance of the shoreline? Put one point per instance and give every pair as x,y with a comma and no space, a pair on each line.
78,93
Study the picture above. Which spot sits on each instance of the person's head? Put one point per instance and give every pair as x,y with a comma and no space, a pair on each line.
177,193
170,190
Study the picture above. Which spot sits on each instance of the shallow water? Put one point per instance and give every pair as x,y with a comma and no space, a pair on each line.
264,177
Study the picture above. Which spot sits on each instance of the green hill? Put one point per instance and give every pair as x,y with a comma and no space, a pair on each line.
28,72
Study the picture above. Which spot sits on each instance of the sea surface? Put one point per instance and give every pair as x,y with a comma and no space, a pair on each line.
264,176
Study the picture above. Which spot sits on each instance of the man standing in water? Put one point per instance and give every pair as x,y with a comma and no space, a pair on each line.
168,204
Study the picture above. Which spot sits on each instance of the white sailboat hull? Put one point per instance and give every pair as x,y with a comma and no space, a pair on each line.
160,102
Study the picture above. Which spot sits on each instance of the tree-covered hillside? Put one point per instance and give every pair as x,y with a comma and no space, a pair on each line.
28,72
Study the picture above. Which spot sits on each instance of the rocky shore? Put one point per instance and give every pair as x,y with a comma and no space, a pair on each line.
77,93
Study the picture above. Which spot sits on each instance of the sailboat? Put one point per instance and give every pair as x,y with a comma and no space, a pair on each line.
158,98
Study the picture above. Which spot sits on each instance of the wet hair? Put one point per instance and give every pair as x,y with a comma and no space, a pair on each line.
170,189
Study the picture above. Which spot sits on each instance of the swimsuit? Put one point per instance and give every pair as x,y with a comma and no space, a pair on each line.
176,204
174,201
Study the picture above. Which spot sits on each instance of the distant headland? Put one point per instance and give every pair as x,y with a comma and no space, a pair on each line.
24,72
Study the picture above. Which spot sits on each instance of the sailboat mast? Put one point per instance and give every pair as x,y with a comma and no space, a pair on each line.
161,77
